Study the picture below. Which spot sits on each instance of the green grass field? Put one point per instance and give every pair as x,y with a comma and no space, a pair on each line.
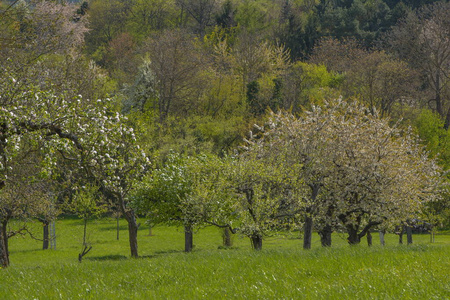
282,270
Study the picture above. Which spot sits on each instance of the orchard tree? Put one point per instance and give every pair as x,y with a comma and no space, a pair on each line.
263,189
24,196
381,173
87,129
113,159
82,131
355,168
176,193
306,145
85,205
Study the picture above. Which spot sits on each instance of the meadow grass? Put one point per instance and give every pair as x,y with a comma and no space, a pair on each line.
282,270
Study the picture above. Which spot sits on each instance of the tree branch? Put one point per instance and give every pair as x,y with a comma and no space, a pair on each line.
54,129
233,230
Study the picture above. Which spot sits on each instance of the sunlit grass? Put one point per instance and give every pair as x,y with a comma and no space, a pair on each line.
281,270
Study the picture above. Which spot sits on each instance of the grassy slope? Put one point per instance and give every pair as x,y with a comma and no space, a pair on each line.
281,270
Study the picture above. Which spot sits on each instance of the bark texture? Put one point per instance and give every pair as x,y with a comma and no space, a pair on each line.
369,239
188,238
307,234
227,238
46,238
382,242
325,236
409,235
4,253
133,226
256,242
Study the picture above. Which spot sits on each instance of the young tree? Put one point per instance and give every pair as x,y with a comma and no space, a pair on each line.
305,84
147,16
85,205
436,138
262,188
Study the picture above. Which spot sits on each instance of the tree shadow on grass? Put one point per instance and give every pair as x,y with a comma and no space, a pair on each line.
107,257
147,256
162,252
123,257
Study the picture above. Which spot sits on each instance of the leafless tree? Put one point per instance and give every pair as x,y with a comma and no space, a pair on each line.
422,38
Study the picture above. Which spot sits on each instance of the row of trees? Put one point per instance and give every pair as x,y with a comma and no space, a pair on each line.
338,166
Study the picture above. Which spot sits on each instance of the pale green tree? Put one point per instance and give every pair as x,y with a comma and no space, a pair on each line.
176,192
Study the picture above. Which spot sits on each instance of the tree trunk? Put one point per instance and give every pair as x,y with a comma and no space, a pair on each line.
382,242
409,235
307,233
227,239
150,233
132,232
325,236
118,226
52,235
46,238
369,239
432,235
133,226
353,236
188,238
256,242
4,253
84,232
